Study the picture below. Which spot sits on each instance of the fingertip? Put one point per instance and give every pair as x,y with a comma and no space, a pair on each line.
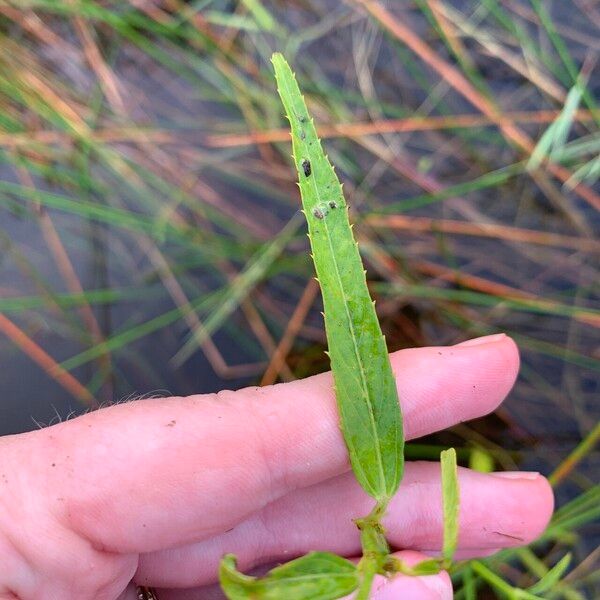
527,502
500,354
407,587
543,508
455,383
509,351
497,510
484,339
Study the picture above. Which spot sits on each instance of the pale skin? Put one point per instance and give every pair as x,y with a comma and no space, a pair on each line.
154,492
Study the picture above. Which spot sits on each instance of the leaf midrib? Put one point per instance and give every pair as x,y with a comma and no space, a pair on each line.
364,386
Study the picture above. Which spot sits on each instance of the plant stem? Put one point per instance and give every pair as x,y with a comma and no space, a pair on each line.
369,570
375,548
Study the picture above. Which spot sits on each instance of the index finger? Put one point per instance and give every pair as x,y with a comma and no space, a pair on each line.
152,474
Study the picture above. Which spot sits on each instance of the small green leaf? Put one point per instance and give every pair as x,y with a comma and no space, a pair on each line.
426,567
315,576
451,502
552,577
364,383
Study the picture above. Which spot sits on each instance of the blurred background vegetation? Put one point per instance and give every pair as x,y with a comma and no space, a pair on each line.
151,241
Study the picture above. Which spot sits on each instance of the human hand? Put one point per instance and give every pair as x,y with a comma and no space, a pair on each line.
154,492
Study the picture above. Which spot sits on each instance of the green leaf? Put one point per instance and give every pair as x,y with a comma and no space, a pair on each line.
552,577
431,566
451,502
316,576
364,384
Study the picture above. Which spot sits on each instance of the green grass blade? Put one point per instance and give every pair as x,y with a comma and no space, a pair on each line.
584,146
588,172
498,584
552,577
237,22
239,289
555,137
261,15
481,460
72,300
316,576
486,181
469,586
131,334
364,383
451,502
563,51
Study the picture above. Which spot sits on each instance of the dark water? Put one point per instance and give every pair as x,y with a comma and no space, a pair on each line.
30,397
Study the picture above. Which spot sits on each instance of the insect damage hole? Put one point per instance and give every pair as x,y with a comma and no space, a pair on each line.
305,164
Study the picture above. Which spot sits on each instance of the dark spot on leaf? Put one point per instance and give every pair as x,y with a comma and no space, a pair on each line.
332,204
306,167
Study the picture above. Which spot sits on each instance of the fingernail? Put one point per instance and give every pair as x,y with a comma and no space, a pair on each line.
529,475
486,339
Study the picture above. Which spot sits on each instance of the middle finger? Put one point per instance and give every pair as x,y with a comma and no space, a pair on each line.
496,510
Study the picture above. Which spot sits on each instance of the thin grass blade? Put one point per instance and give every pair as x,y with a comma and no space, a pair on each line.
451,502
552,577
555,137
